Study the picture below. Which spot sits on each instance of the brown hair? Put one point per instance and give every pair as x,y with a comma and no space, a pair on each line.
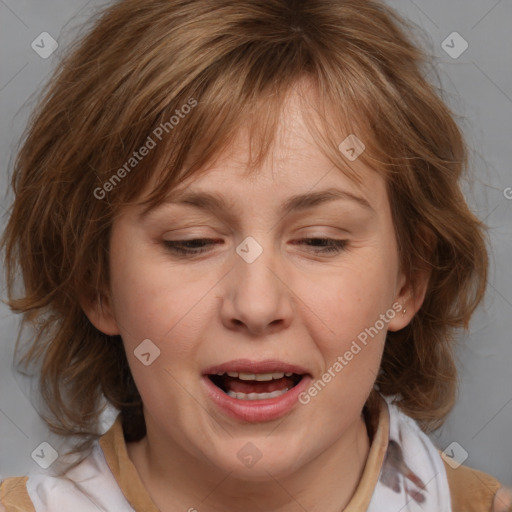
136,68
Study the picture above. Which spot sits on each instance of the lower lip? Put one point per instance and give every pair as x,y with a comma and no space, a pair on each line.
256,410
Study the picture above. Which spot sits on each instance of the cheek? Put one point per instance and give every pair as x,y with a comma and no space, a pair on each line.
141,286
349,331
352,296
156,300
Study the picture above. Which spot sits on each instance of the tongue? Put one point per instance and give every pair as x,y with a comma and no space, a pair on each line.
254,386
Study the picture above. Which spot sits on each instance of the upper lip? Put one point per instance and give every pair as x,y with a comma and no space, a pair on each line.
248,366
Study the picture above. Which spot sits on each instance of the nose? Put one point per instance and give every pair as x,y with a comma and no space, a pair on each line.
257,295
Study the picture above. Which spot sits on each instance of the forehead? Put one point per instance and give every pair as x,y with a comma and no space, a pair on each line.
296,171
298,185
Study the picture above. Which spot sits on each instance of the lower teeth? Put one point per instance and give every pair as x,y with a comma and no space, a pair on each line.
256,396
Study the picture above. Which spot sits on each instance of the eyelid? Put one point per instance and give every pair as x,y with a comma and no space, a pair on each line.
332,246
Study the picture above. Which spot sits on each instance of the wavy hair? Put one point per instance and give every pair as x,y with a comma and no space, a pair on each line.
120,85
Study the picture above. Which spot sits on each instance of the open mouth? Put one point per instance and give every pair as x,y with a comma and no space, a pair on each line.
255,386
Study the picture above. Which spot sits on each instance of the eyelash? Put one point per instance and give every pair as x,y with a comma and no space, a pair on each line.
329,245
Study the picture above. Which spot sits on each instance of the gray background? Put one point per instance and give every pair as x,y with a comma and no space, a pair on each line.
477,85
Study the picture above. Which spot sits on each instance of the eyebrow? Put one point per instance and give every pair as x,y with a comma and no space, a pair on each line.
217,203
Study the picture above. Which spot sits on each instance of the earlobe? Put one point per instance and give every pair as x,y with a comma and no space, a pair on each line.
401,319
100,314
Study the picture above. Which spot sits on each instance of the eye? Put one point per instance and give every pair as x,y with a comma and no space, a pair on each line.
189,247
200,245
325,245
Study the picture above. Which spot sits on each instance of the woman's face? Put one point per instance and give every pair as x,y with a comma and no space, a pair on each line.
298,274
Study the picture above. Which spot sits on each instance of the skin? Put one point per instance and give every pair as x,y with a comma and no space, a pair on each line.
291,303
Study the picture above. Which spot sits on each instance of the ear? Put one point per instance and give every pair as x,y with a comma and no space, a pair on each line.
412,290
411,294
100,313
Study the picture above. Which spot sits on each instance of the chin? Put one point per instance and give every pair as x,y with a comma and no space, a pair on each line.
259,460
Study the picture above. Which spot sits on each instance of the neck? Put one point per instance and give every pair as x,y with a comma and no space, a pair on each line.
176,481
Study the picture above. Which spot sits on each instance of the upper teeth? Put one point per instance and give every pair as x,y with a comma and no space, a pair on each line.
257,376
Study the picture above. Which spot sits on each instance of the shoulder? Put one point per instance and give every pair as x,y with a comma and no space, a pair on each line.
471,490
88,486
468,489
14,496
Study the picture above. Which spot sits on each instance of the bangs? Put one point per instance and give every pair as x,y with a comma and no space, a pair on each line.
214,132
187,149
241,83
